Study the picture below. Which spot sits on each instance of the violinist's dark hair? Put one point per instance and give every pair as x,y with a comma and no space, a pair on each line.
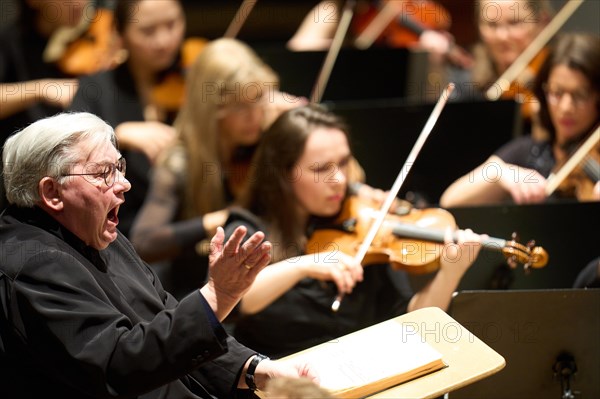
269,194
578,51
124,13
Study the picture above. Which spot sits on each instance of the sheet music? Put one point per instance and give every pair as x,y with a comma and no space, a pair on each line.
378,353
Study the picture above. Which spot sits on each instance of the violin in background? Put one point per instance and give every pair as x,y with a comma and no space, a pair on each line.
579,175
402,23
95,49
424,14
520,89
169,93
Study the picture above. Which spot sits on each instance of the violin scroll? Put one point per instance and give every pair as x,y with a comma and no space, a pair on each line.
528,255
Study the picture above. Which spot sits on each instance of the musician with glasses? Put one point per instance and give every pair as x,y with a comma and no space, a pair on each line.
81,315
568,89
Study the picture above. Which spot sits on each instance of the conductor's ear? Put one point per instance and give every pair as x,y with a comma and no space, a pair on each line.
49,190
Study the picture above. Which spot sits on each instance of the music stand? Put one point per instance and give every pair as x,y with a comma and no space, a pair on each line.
549,338
376,73
383,133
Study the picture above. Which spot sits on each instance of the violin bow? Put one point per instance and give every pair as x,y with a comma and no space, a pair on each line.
376,26
240,17
554,180
332,53
410,160
503,83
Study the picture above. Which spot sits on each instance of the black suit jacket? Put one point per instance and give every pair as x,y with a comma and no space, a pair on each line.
80,323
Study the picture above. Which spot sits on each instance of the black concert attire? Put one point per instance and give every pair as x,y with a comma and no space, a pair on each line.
80,323
528,153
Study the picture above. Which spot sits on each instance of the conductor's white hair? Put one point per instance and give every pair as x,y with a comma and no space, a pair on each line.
47,148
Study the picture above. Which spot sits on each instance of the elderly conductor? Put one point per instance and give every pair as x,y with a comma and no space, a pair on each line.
81,315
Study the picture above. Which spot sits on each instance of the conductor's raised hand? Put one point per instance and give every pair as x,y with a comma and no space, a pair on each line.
232,268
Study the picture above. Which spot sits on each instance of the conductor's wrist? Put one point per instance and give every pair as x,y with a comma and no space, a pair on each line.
252,378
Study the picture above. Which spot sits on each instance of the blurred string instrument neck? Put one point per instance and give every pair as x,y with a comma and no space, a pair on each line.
513,80
579,173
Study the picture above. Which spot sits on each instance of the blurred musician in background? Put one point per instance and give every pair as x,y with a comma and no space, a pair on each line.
414,24
152,33
506,29
568,89
31,87
231,97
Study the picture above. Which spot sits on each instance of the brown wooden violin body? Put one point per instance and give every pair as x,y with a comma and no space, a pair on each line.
169,93
428,14
581,182
413,18
412,242
94,50
521,88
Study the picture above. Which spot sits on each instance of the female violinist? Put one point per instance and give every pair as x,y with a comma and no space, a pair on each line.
299,175
232,97
34,81
152,33
568,89
506,29
22,45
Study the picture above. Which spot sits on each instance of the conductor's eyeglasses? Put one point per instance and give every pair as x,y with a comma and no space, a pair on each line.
108,172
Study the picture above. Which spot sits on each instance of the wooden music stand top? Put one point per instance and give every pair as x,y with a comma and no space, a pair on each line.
468,358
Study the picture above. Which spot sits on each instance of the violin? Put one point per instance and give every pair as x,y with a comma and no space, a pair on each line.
94,50
412,242
533,56
401,25
521,88
427,14
169,93
577,176
581,182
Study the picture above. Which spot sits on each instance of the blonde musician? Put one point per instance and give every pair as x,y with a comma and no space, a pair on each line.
506,29
231,96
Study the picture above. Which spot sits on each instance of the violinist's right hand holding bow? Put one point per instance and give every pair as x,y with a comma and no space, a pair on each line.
280,277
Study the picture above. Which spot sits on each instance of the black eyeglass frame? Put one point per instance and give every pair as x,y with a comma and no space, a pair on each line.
109,170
